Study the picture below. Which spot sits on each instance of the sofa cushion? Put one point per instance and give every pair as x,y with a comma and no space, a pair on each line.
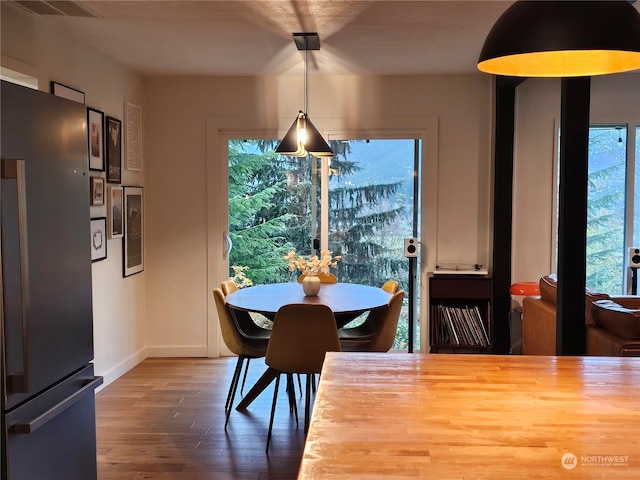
548,292
548,286
613,317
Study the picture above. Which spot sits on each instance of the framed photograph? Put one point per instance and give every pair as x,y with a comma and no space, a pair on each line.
133,204
114,212
95,129
133,137
98,239
97,191
114,150
60,90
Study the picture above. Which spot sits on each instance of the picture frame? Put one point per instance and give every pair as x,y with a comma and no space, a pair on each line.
113,143
95,133
114,212
98,239
97,191
133,137
133,249
64,91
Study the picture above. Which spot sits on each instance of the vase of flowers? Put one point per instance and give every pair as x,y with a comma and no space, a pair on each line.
310,267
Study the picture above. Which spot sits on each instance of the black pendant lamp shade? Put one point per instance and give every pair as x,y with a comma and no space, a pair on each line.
303,137
563,39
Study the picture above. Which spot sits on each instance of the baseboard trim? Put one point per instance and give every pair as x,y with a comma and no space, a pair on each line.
173,352
123,367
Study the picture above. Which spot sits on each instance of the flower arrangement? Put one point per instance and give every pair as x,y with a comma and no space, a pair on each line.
239,277
312,265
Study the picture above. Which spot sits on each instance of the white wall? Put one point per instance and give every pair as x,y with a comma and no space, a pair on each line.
28,43
614,99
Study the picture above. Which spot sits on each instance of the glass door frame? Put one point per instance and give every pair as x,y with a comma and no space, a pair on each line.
219,130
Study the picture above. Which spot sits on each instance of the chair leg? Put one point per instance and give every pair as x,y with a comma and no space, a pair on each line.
232,389
273,410
299,384
307,403
244,378
291,394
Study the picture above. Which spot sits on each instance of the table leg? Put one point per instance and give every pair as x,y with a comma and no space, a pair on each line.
263,382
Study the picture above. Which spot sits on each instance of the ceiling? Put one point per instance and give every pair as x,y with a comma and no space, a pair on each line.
253,37
249,37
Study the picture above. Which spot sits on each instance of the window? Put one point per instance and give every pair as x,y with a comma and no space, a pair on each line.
606,202
361,205
612,188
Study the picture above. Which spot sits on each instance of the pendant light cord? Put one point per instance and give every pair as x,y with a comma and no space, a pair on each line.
306,76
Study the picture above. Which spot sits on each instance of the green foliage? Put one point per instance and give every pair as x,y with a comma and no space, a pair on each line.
271,201
256,220
605,210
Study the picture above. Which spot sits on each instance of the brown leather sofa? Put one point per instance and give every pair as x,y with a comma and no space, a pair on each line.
612,323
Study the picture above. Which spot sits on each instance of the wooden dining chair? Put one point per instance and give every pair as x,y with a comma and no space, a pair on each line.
244,347
301,336
324,278
377,335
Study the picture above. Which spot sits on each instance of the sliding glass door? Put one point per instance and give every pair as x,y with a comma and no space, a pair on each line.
360,204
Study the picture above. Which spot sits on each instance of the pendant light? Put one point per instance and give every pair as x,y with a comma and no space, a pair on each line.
563,39
303,138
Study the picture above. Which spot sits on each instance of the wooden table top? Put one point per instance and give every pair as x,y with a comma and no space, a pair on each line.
342,298
443,417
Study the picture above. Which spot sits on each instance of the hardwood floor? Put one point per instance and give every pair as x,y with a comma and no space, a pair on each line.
164,420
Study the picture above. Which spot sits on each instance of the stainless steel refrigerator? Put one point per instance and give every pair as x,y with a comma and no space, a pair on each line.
48,383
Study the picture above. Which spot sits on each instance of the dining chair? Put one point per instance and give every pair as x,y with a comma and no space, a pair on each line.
244,347
390,286
365,338
246,324
324,278
374,318
228,286
301,336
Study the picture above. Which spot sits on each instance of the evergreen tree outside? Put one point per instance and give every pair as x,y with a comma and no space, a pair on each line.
270,212
606,209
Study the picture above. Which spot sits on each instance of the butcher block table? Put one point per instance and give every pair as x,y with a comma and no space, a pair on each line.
444,417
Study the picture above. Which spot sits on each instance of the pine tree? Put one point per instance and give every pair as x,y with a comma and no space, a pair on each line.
270,213
257,221
605,211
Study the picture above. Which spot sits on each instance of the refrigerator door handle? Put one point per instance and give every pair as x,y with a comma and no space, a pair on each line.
15,170
32,425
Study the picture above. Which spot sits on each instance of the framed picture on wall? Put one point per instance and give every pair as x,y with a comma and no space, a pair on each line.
97,191
95,128
98,239
133,207
114,212
133,137
114,150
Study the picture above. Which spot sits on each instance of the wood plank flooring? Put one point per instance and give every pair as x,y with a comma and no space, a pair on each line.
164,420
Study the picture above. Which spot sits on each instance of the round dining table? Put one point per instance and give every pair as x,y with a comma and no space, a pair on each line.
346,301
